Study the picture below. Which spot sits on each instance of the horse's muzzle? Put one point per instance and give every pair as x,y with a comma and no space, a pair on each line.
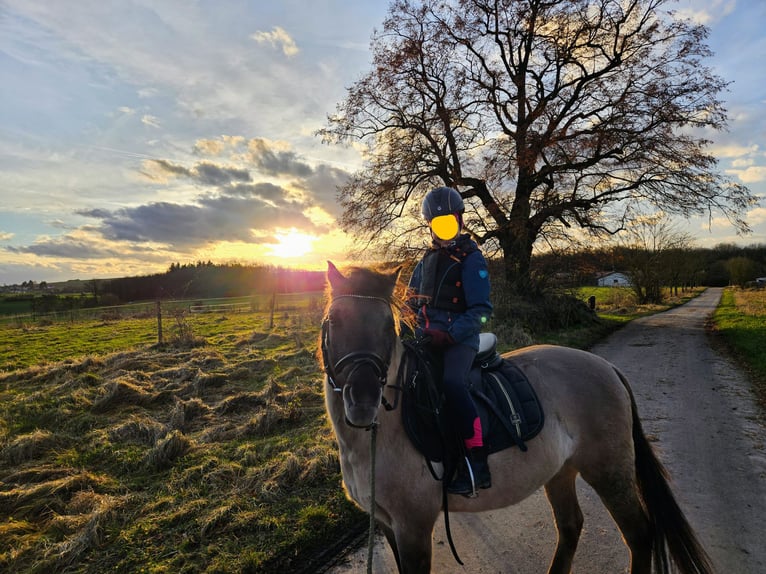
361,402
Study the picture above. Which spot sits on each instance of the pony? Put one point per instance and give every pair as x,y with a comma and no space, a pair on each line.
592,429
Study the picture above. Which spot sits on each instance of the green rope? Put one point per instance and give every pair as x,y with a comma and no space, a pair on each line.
371,538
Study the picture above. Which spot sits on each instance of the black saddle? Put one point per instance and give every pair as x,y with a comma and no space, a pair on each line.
508,407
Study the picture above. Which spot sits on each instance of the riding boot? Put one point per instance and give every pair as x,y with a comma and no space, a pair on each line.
472,474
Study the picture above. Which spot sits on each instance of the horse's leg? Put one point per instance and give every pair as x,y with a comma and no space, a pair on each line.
617,488
562,495
413,543
391,537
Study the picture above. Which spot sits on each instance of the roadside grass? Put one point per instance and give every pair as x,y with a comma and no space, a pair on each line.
615,307
740,321
209,453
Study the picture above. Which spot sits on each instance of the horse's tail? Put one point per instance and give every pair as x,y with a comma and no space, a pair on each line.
671,531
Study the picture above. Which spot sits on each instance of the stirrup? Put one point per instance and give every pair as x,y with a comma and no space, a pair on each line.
473,493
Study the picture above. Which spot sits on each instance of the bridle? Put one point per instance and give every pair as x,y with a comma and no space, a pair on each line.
356,359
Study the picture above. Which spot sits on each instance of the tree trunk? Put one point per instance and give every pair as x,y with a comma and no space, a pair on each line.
516,245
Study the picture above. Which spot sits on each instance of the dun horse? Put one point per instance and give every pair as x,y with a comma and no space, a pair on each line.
592,429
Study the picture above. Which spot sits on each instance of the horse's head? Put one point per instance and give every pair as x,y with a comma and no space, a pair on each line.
358,339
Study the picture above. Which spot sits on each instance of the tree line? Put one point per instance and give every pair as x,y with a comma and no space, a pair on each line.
211,280
652,269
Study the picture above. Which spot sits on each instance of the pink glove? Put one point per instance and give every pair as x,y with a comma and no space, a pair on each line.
439,338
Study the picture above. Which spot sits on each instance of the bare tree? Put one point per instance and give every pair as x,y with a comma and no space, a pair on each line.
650,251
547,115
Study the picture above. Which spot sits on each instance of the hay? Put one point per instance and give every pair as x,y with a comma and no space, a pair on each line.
29,447
122,392
168,450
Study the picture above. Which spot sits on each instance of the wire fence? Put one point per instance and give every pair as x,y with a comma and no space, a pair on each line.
274,303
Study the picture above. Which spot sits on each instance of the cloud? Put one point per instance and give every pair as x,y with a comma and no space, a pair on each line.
736,151
756,216
752,174
271,158
278,37
240,213
212,174
216,147
205,173
150,121
69,247
5,236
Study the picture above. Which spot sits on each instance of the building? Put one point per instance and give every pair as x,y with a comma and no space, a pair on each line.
613,279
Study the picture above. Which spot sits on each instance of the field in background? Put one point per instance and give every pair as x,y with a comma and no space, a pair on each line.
26,340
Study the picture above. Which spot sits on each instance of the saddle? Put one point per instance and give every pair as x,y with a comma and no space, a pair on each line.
508,407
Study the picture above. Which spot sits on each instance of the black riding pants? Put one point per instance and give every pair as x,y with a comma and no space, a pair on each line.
457,364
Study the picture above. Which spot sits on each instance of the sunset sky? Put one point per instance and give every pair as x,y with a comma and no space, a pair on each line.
137,133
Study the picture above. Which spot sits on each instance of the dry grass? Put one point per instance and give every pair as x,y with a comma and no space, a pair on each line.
751,302
168,459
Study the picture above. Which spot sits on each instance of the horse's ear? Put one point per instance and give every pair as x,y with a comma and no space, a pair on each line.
334,276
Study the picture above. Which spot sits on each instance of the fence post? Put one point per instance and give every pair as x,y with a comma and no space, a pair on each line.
159,323
273,306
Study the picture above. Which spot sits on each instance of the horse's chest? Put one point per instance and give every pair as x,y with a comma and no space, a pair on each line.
356,475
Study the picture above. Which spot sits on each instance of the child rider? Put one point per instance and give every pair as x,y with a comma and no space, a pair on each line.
450,287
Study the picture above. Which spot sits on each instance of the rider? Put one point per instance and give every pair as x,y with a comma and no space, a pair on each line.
450,287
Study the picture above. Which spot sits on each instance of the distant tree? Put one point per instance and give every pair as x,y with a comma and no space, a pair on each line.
546,115
652,249
741,270
95,289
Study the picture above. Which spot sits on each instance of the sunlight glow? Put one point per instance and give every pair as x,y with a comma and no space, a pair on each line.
292,243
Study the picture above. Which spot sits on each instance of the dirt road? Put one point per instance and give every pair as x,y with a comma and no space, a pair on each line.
697,408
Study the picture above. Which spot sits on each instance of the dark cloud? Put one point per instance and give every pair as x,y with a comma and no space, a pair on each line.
67,247
273,161
169,168
323,185
205,173
222,217
211,174
266,191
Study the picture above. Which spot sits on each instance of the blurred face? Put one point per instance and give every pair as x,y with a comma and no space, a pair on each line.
445,227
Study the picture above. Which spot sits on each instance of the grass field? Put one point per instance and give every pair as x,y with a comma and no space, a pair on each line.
740,321
209,453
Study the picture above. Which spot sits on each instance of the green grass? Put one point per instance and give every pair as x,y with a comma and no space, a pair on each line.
740,321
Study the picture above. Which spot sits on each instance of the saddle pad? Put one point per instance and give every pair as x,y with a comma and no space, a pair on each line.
509,409
508,406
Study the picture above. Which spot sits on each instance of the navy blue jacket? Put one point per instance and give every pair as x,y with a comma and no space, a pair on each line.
463,326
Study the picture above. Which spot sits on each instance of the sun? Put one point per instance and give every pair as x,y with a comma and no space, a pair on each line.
292,243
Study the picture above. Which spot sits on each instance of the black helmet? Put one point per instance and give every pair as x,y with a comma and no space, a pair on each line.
441,201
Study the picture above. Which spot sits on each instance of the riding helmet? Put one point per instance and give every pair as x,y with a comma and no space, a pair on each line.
441,201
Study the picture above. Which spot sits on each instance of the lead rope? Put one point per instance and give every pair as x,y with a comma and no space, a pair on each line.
371,536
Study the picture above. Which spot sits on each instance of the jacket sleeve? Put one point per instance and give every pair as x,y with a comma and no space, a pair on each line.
478,306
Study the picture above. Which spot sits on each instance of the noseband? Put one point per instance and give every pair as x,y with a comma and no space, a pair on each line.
355,359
